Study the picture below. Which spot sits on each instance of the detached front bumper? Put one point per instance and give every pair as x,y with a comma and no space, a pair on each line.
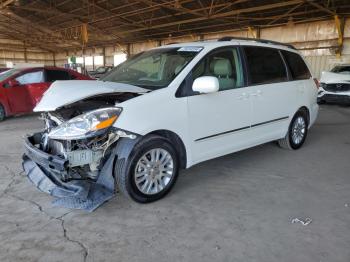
47,172
53,163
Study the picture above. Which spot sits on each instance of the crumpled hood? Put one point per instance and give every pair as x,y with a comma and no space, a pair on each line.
62,93
334,78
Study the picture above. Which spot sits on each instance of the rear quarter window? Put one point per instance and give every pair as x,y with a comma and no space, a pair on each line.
265,65
297,66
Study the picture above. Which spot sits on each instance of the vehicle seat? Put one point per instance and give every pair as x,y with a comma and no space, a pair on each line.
222,69
178,69
173,66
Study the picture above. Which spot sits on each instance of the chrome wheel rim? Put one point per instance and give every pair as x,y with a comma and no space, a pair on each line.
298,130
154,171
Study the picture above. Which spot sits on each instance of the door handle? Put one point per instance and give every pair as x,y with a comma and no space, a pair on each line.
243,96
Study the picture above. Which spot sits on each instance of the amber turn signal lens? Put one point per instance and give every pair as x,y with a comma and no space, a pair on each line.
106,123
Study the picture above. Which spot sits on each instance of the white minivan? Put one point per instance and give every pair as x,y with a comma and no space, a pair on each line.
170,108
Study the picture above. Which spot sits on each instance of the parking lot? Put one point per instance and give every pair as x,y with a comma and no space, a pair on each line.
235,208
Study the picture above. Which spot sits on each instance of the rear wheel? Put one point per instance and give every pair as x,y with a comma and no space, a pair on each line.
2,113
151,172
297,132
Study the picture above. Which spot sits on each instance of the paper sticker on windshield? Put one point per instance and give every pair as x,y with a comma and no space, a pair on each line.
190,49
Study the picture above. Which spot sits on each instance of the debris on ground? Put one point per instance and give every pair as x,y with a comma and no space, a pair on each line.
304,222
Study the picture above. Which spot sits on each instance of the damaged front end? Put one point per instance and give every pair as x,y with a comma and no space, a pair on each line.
72,158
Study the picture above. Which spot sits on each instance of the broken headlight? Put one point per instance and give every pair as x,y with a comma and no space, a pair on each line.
86,125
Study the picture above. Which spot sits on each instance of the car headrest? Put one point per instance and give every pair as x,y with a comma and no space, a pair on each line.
178,69
222,67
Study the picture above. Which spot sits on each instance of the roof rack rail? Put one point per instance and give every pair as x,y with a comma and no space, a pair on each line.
265,41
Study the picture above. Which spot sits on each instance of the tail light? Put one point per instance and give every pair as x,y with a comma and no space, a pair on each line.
317,83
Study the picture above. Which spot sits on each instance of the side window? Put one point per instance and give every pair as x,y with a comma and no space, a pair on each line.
225,65
297,66
53,75
31,78
265,65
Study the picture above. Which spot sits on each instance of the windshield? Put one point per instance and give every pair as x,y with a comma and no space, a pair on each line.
341,69
8,73
153,69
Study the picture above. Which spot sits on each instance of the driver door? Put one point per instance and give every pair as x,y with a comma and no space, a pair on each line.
220,122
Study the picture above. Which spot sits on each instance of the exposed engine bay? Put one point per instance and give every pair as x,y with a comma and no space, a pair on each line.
73,159
85,156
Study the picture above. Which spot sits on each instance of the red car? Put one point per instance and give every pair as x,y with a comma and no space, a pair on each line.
22,89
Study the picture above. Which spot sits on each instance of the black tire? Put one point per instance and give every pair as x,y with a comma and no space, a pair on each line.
2,113
126,180
287,142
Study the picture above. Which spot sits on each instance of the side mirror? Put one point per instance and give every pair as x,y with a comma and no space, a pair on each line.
12,83
206,84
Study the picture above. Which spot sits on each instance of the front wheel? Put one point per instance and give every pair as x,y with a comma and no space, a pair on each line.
297,132
2,113
151,170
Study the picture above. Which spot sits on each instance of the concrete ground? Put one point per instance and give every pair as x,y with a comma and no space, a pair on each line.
235,208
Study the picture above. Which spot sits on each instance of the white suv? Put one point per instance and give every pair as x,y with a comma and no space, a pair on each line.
171,108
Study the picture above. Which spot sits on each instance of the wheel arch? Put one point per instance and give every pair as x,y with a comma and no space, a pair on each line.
4,108
5,105
307,112
176,141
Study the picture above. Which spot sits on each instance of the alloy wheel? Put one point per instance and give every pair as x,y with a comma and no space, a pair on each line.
298,130
154,171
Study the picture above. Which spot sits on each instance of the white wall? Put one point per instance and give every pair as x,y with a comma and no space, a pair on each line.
325,63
